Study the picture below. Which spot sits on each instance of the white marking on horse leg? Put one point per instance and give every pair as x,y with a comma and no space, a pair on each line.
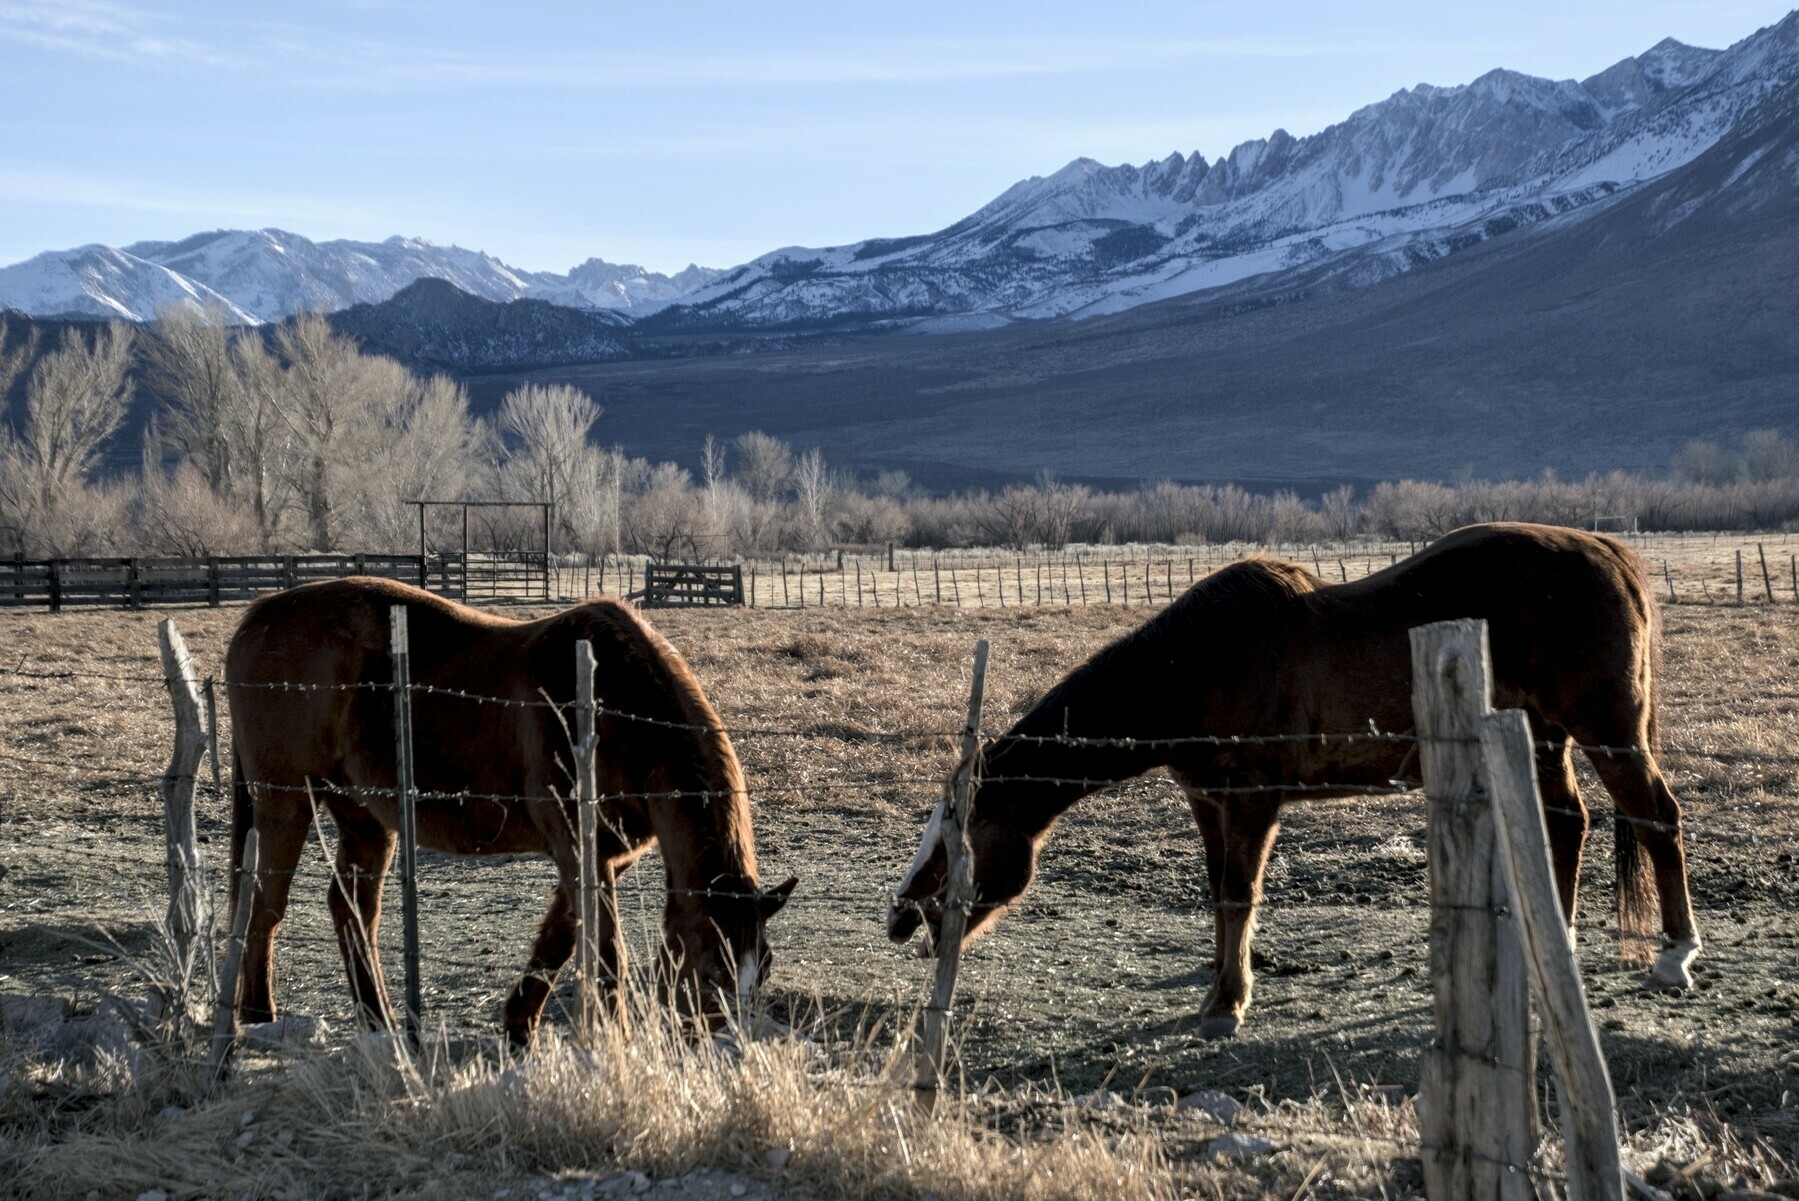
927,846
1670,971
748,968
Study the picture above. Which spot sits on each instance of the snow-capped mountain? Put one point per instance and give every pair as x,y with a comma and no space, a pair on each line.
98,281
1423,174
269,274
1428,171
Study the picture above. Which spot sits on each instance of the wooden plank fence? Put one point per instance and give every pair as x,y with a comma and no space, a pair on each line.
138,583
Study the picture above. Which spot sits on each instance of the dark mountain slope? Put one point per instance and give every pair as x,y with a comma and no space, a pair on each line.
1603,338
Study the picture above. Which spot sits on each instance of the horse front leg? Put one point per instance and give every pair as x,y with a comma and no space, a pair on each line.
1245,836
281,838
553,947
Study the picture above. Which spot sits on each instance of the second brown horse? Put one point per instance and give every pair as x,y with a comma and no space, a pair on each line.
308,675
1265,648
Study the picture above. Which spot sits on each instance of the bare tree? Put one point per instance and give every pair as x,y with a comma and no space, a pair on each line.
1701,462
322,399
665,515
74,402
764,465
13,362
260,444
1769,456
187,358
812,489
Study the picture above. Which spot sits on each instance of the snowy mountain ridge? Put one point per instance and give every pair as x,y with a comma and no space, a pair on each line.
1422,174
270,274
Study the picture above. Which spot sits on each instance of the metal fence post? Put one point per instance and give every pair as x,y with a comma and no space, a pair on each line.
587,914
406,794
1476,1099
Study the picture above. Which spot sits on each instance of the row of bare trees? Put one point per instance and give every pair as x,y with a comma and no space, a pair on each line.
295,440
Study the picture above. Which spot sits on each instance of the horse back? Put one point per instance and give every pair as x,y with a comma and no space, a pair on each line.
1571,623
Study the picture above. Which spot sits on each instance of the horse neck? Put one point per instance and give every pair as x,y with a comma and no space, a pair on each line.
704,827
1080,738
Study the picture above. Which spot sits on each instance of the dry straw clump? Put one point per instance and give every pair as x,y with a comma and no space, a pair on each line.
642,1097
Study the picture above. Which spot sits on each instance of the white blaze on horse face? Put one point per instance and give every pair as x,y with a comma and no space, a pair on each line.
927,846
748,968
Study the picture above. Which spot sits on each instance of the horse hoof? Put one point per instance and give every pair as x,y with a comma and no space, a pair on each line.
1219,1026
1670,972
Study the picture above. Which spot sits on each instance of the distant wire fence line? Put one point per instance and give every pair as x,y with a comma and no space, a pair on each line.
889,578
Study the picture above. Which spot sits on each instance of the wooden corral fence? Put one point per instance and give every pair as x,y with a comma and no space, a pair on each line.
138,583
688,585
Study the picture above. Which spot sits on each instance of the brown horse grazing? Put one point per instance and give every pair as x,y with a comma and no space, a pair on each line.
340,741
1266,648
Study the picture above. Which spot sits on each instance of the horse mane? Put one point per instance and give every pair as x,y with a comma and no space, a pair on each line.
1239,597
1244,594
727,837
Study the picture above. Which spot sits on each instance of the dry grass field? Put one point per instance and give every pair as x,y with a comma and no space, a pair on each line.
1091,986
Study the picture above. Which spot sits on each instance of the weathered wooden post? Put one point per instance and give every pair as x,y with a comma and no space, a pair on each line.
1669,580
406,796
960,897
224,1013
587,829
1476,1100
1739,575
187,916
1589,1124
1767,578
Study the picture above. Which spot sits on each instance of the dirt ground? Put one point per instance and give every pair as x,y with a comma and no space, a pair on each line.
1094,981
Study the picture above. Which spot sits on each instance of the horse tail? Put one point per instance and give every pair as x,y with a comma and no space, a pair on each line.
1638,901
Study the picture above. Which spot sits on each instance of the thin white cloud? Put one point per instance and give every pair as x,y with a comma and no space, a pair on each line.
104,30
69,189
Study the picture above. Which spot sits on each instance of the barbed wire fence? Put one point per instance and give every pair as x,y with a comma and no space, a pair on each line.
458,966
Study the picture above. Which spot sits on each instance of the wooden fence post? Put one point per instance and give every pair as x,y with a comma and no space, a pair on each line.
1767,579
960,896
224,1013
1476,1100
212,581
406,795
1589,1125
587,912
1739,575
188,904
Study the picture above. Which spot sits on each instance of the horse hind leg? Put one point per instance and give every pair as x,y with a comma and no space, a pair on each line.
365,851
1565,815
1649,821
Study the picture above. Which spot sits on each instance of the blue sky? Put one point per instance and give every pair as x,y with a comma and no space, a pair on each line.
671,132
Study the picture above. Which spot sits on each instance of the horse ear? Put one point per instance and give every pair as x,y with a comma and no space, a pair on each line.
774,898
